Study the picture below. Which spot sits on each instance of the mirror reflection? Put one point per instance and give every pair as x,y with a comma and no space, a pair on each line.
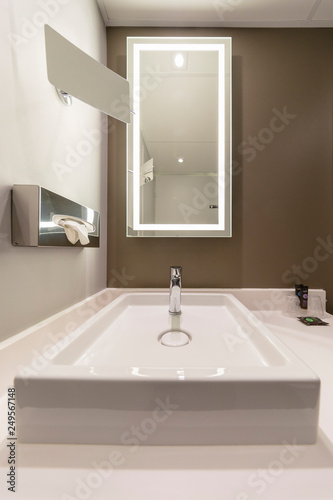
179,138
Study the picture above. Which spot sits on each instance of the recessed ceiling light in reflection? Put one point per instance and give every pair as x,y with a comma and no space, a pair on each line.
180,160
179,60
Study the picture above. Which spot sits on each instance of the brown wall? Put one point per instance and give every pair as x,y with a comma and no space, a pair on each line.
282,182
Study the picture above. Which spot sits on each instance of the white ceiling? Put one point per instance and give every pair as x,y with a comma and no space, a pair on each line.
214,13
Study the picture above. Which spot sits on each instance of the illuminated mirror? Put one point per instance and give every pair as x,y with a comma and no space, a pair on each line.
179,138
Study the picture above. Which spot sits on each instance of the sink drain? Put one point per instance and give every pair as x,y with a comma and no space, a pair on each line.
174,338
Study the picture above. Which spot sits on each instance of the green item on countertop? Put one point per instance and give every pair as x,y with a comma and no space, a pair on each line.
312,321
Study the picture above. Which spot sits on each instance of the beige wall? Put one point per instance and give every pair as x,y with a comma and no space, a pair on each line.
282,179
43,142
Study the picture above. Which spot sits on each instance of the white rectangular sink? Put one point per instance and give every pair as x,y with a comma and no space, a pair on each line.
112,381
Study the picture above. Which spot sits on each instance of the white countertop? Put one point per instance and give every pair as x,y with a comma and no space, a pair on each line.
276,472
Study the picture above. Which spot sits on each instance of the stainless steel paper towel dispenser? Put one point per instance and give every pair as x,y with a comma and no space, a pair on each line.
36,213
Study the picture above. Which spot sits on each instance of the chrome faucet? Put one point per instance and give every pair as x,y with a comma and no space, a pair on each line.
175,289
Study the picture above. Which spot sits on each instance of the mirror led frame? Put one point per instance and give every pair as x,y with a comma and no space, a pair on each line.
135,46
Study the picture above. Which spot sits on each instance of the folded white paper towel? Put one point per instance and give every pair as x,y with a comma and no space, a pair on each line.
75,231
